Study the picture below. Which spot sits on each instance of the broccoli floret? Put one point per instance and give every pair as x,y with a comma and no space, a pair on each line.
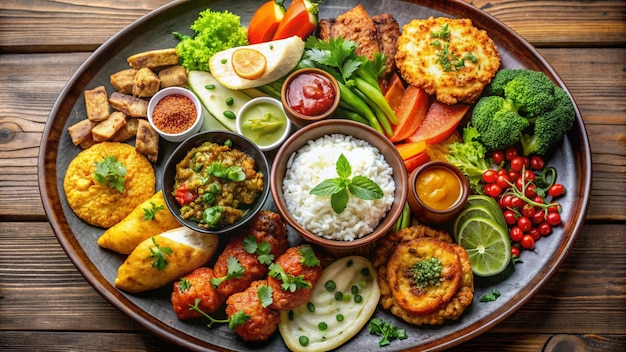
497,122
470,156
550,127
523,106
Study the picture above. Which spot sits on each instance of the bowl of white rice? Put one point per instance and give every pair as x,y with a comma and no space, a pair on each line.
310,157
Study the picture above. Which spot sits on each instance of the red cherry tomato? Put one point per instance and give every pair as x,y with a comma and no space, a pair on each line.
529,175
490,176
553,219
510,153
498,157
516,234
514,175
534,233
528,211
556,190
536,163
493,190
554,208
531,190
538,217
527,242
524,223
503,181
544,229
517,202
184,196
510,217
517,163
515,252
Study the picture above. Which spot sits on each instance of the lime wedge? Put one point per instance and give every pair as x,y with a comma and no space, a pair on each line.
487,245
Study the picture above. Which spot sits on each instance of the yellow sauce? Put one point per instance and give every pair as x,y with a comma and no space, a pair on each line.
438,188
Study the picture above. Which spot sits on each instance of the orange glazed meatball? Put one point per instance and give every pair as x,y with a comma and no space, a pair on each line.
196,284
293,276
263,321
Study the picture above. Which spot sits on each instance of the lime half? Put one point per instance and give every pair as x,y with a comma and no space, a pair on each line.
490,204
469,212
487,245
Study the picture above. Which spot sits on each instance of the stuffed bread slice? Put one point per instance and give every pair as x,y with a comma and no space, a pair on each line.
138,226
164,258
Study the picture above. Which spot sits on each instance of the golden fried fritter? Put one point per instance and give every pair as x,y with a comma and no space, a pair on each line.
263,320
99,204
453,307
404,277
449,58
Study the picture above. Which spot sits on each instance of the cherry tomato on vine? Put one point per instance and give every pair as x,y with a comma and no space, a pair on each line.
498,157
528,211
510,153
531,190
529,175
527,242
493,190
524,223
553,219
514,175
538,217
517,163
544,229
554,208
556,190
490,176
510,217
516,234
534,233
503,181
536,163
515,252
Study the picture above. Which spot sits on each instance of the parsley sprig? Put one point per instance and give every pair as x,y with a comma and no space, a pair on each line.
445,57
292,282
110,171
148,213
235,320
387,331
338,188
235,270
159,255
262,249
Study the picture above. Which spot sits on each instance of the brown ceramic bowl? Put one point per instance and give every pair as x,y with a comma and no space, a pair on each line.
426,201
292,95
339,248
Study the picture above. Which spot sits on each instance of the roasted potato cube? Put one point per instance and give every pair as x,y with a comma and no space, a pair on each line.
107,128
146,83
154,59
123,80
81,131
147,142
128,131
129,105
174,76
97,104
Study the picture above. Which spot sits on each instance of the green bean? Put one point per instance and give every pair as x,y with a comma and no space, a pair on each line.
350,98
350,115
378,112
377,97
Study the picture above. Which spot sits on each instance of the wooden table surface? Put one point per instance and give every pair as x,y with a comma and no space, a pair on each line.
45,304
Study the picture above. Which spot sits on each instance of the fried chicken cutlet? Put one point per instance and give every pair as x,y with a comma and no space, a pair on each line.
449,58
372,34
398,262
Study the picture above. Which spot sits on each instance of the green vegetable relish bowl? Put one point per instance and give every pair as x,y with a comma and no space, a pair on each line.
339,248
240,143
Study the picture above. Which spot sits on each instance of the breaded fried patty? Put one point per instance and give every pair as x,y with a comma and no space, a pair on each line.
410,241
98,204
449,58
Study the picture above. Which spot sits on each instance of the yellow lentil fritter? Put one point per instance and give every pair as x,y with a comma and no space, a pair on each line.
99,204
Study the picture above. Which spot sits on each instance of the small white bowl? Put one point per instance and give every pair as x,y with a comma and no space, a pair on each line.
176,137
254,103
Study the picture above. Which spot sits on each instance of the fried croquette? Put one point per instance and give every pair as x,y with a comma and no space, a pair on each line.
454,306
449,58
99,204
195,285
411,285
293,264
263,321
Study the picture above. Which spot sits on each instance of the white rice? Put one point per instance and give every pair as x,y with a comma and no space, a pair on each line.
316,162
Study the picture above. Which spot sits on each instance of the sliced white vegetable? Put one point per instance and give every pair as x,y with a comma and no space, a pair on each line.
281,56
304,321
214,98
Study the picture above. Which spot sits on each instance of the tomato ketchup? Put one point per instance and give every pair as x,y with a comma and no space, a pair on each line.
310,94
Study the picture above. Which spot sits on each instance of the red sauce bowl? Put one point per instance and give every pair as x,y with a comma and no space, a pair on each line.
309,95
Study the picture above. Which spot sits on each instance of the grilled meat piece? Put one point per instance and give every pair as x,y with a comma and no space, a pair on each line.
387,31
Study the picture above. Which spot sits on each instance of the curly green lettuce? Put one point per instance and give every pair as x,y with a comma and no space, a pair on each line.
214,31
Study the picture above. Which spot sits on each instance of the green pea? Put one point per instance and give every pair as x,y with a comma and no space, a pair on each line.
354,289
330,285
365,272
358,298
339,296
339,317
322,326
304,341
229,114
229,101
311,307
210,86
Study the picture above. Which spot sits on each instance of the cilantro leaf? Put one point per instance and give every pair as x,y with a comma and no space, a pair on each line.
184,284
308,256
262,250
387,331
491,296
110,171
159,254
290,282
235,270
264,292
249,244
148,214
238,319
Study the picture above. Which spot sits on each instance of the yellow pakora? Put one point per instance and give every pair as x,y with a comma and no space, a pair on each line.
99,204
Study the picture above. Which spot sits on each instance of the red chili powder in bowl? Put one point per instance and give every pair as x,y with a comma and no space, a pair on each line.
174,114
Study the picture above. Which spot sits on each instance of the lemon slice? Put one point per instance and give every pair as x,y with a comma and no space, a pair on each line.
487,245
249,63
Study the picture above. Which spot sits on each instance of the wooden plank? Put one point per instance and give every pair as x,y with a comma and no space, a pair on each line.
41,289
26,101
51,26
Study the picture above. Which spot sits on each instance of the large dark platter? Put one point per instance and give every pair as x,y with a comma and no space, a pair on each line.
153,310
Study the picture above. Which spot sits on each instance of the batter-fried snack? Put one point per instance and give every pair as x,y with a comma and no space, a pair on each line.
164,258
127,234
412,244
97,104
195,285
99,204
449,58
